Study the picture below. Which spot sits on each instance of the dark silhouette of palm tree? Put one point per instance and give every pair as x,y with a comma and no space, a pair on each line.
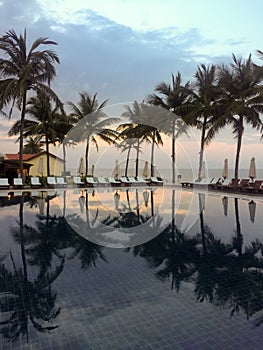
24,70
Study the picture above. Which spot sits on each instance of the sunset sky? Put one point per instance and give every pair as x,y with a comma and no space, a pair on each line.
122,49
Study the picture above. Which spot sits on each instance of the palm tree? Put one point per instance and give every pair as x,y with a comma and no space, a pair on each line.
33,145
173,98
22,71
242,99
203,107
46,121
92,121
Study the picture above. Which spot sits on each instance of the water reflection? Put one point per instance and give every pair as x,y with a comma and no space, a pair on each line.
220,257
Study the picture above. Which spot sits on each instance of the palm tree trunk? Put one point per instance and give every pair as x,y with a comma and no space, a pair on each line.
21,139
239,142
152,155
239,236
173,152
127,161
201,153
47,150
137,158
87,157
64,157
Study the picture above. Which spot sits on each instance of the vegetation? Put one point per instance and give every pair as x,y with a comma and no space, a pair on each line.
218,97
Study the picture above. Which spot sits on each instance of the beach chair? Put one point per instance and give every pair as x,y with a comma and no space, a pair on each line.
51,181
113,181
142,180
35,182
124,180
133,181
229,185
204,182
4,183
77,181
103,181
18,182
256,187
215,183
242,184
91,181
155,180
61,181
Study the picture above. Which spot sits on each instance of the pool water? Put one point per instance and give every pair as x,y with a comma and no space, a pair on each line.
131,269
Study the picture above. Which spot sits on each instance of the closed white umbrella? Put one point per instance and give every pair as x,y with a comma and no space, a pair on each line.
225,169
146,170
252,169
92,170
81,166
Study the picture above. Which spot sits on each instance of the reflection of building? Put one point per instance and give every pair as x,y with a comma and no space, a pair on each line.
34,164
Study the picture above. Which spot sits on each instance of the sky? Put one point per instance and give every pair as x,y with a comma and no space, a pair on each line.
122,49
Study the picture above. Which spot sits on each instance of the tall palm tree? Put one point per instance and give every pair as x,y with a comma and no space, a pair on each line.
24,70
174,98
242,99
204,106
46,121
92,122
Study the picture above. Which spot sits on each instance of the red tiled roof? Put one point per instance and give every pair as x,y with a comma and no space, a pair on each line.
26,157
15,156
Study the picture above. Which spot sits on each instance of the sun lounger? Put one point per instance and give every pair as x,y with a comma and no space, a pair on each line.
91,181
133,181
254,187
113,181
103,181
51,181
155,180
125,180
61,181
242,184
204,182
229,185
18,182
35,181
77,181
142,180
4,183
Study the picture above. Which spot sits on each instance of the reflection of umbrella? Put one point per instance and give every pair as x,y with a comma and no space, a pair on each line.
82,203
146,170
41,205
225,204
146,197
116,200
40,166
252,210
201,201
252,169
225,169
203,171
116,170
81,166
92,170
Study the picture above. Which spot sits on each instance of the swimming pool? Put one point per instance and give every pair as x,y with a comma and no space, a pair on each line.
131,269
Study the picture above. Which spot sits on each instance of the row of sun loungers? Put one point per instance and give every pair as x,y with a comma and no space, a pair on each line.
236,185
52,181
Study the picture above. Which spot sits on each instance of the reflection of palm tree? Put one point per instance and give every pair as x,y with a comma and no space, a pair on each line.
26,300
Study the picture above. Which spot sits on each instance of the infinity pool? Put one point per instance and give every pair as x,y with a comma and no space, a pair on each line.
153,268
